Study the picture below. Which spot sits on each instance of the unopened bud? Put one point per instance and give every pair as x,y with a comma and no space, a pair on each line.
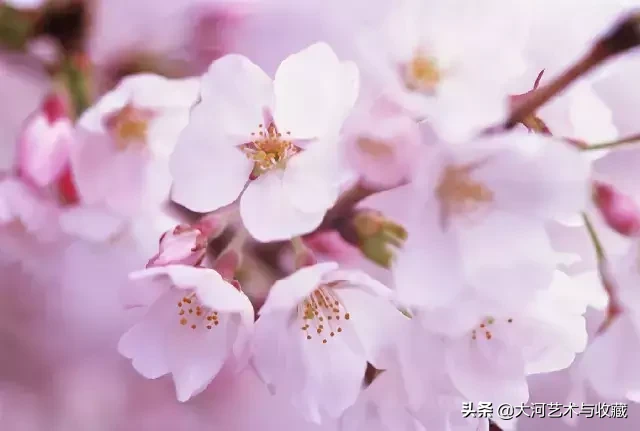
228,263
377,236
183,245
45,141
620,211
212,225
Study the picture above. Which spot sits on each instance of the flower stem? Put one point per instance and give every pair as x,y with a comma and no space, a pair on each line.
633,139
622,37
614,308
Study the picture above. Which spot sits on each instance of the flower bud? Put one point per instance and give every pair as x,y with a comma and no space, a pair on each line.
620,211
377,236
45,141
184,245
332,246
228,263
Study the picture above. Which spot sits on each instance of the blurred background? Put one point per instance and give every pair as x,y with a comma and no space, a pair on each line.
60,311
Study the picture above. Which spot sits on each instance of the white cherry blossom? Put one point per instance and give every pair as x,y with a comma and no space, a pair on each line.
316,332
439,61
195,323
278,135
120,157
479,217
490,348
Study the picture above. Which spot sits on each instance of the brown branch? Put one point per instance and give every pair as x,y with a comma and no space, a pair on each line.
622,37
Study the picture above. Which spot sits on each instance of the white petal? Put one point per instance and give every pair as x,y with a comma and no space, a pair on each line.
427,270
311,179
611,362
93,223
314,92
290,291
145,342
499,378
537,176
377,323
338,374
277,356
207,175
211,289
521,261
236,92
195,356
268,213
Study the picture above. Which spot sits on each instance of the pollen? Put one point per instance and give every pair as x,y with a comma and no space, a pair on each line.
269,149
459,194
320,313
195,315
129,126
422,73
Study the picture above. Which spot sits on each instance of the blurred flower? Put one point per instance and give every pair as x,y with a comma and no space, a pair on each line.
438,60
120,157
491,347
383,156
209,327
501,191
279,134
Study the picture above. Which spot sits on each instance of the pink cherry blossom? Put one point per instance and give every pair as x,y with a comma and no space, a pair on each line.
433,59
316,332
43,147
278,135
192,340
483,193
121,151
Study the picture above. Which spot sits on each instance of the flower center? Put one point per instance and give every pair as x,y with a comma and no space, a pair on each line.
485,327
269,149
458,193
375,148
422,73
129,126
193,314
321,313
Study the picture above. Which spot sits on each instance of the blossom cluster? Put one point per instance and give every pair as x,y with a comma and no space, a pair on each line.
346,215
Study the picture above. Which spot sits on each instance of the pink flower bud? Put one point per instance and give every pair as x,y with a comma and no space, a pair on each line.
43,146
183,245
331,245
228,263
620,211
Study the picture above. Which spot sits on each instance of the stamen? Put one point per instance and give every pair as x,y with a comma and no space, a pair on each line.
268,149
460,194
422,73
129,126
197,314
320,312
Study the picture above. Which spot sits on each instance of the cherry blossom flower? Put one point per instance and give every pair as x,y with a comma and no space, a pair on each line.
439,61
121,153
316,332
209,326
281,135
499,190
491,347
384,406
